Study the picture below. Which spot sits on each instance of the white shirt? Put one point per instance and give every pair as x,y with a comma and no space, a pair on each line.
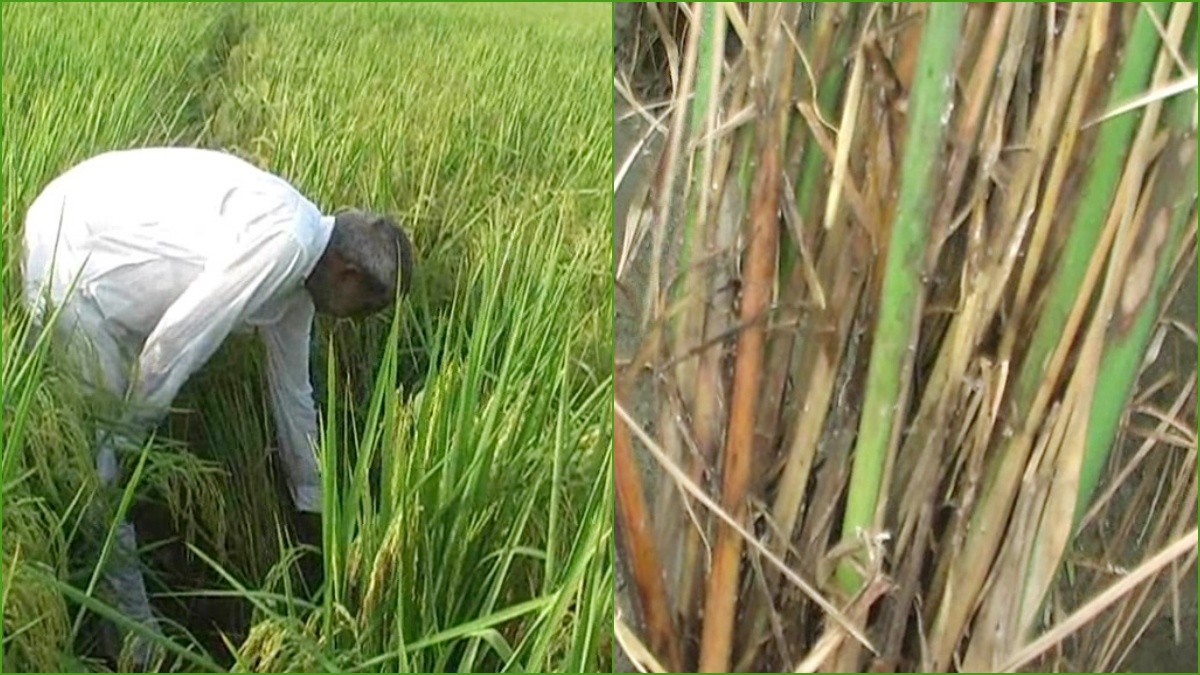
172,249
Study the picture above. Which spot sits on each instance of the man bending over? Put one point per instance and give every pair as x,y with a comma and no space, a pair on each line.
152,257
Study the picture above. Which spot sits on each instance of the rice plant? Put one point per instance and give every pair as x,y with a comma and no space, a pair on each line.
900,275
466,435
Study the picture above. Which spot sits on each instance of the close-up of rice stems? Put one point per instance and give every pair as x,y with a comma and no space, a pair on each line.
906,324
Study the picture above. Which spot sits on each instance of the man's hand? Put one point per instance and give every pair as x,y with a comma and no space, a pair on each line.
312,565
306,530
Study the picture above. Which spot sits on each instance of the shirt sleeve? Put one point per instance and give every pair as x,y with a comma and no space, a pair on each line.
289,379
194,326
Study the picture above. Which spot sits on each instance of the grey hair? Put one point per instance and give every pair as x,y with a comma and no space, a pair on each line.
377,245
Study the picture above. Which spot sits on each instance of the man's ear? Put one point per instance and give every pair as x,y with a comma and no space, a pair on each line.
338,265
382,225
347,272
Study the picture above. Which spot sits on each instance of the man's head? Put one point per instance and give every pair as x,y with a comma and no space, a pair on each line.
368,257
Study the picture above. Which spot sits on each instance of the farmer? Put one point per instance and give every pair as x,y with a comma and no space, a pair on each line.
153,256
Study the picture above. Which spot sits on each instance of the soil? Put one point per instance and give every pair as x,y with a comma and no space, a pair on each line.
1158,650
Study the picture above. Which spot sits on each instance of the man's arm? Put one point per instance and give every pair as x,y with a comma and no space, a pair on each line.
289,379
194,327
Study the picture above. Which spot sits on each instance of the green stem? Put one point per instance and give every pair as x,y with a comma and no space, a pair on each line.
899,310
1112,146
1170,209
712,21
